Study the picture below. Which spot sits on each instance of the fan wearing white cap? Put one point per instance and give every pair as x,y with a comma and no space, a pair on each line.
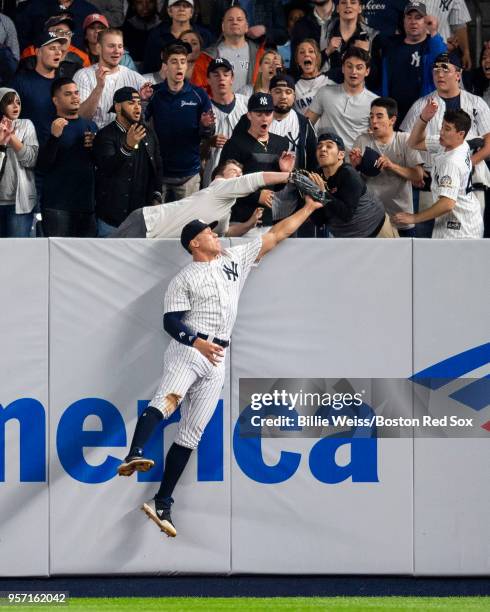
34,86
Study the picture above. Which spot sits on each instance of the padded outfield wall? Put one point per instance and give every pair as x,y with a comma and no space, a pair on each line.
82,352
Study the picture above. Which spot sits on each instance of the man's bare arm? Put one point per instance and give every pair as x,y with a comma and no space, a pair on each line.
288,226
416,140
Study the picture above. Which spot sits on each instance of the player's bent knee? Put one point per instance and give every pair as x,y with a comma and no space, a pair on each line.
172,400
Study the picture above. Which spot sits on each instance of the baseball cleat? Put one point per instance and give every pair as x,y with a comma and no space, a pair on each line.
159,512
135,463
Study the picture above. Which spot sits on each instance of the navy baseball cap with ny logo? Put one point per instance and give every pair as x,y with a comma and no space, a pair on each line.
192,229
260,103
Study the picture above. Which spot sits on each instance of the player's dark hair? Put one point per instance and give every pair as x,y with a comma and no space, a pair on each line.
389,104
460,119
59,83
175,49
220,168
358,53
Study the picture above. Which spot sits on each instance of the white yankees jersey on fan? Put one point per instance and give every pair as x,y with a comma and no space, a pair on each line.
289,128
210,204
306,90
452,178
477,109
208,292
225,124
123,77
449,13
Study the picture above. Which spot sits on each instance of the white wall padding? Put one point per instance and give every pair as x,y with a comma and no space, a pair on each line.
24,281
107,342
325,309
452,325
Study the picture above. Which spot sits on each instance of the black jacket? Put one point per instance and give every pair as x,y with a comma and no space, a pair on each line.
305,149
118,186
254,157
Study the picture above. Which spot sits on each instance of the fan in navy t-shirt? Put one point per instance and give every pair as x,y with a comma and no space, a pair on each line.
34,86
69,174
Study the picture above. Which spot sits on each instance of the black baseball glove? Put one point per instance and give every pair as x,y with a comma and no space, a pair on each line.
306,186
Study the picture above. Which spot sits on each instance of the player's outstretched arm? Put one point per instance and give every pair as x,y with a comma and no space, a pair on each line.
288,226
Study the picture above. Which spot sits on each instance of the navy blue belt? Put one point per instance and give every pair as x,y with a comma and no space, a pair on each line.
223,343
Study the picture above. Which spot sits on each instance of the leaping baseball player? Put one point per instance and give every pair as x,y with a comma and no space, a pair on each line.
200,309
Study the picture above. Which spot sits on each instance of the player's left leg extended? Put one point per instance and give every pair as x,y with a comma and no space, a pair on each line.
196,412
181,369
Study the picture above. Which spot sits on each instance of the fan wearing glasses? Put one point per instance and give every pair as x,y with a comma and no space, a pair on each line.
448,95
72,58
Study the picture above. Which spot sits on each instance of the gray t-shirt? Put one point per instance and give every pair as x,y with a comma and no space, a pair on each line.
239,58
343,113
394,191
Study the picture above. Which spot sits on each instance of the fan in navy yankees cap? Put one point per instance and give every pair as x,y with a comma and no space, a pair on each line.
416,6
260,103
46,38
219,62
192,229
123,94
334,138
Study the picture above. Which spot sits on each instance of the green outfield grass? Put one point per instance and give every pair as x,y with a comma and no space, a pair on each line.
296,604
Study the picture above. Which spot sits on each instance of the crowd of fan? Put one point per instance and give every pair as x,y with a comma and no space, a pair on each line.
109,106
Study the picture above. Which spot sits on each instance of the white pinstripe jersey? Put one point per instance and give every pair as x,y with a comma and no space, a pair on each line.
209,291
450,13
451,177
477,109
225,124
86,81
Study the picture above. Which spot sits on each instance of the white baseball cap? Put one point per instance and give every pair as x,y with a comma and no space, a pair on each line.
171,2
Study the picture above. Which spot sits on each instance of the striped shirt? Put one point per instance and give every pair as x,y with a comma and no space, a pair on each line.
477,109
452,179
225,124
449,13
123,77
209,291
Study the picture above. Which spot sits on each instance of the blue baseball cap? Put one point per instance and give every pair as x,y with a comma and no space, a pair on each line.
260,103
368,162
